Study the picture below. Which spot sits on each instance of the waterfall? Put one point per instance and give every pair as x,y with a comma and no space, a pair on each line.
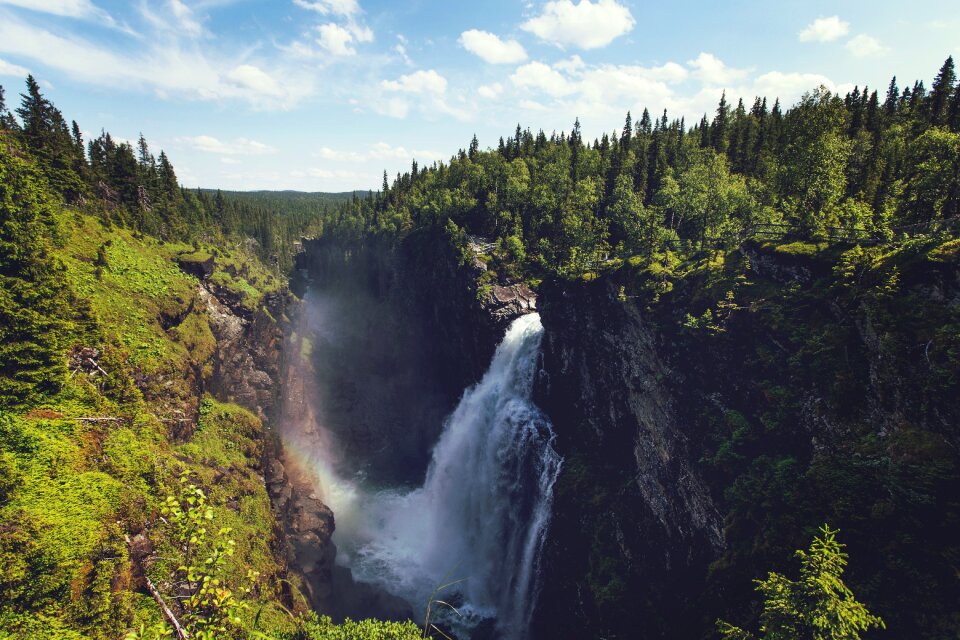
482,513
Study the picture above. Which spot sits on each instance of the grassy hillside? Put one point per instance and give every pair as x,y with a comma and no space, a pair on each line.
107,351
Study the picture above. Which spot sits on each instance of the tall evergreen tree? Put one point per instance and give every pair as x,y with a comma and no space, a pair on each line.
955,109
47,135
627,131
893,97
941,92
645,125
718,130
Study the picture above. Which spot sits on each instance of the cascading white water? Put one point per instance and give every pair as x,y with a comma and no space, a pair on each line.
482,513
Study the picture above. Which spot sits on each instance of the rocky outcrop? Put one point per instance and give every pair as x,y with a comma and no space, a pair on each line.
246,365
631,513
307,528
200,267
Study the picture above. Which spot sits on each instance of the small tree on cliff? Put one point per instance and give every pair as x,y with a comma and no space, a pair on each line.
818,606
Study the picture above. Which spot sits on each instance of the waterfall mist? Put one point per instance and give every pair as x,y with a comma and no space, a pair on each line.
481,511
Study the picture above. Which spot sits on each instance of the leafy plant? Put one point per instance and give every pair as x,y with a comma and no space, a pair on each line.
818,606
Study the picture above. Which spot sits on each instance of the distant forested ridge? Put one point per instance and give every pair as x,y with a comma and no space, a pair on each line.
140,190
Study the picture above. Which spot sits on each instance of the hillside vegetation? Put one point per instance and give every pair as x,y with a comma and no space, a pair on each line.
107,432
120,473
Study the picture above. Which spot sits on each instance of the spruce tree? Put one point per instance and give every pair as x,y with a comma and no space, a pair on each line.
474,148
818,606
3,109
48,137
893,97
939,100
955,110
718,130
646,126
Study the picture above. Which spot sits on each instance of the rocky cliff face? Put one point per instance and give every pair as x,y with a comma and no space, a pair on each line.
249,369
634,524
247,360
702,448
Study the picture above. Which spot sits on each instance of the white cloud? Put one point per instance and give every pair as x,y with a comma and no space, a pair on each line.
418,82
585,24
345,8
66,8
401,50
391,107
670,72
532,105
573,64
378,151
166,68
490,91
623,86
490,48
335,40
184,15
788,86
10,69
711,70
239,147
825,30
250,77
540,77
317,172
864,46
80,9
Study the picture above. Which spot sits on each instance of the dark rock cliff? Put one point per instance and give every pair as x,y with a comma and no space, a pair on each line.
702,449
634,526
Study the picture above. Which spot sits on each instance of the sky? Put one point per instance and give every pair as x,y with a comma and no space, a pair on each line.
324,95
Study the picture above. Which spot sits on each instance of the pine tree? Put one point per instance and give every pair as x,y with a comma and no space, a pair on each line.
474,148
704,132
48,137
645,126
3,109
718,130
627,131
576,142
939,99
893,96
955,110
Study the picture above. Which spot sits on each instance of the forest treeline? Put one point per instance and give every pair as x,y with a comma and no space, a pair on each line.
867,165
133,188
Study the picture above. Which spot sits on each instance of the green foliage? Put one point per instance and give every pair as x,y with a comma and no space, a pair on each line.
322,628
34,303
818,606
210,609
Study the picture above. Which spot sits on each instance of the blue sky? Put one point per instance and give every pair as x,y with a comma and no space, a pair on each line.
322,95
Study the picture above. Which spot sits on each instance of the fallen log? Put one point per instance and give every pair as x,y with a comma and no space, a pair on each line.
167,613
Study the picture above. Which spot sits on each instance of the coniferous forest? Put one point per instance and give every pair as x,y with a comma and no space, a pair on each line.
799,263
